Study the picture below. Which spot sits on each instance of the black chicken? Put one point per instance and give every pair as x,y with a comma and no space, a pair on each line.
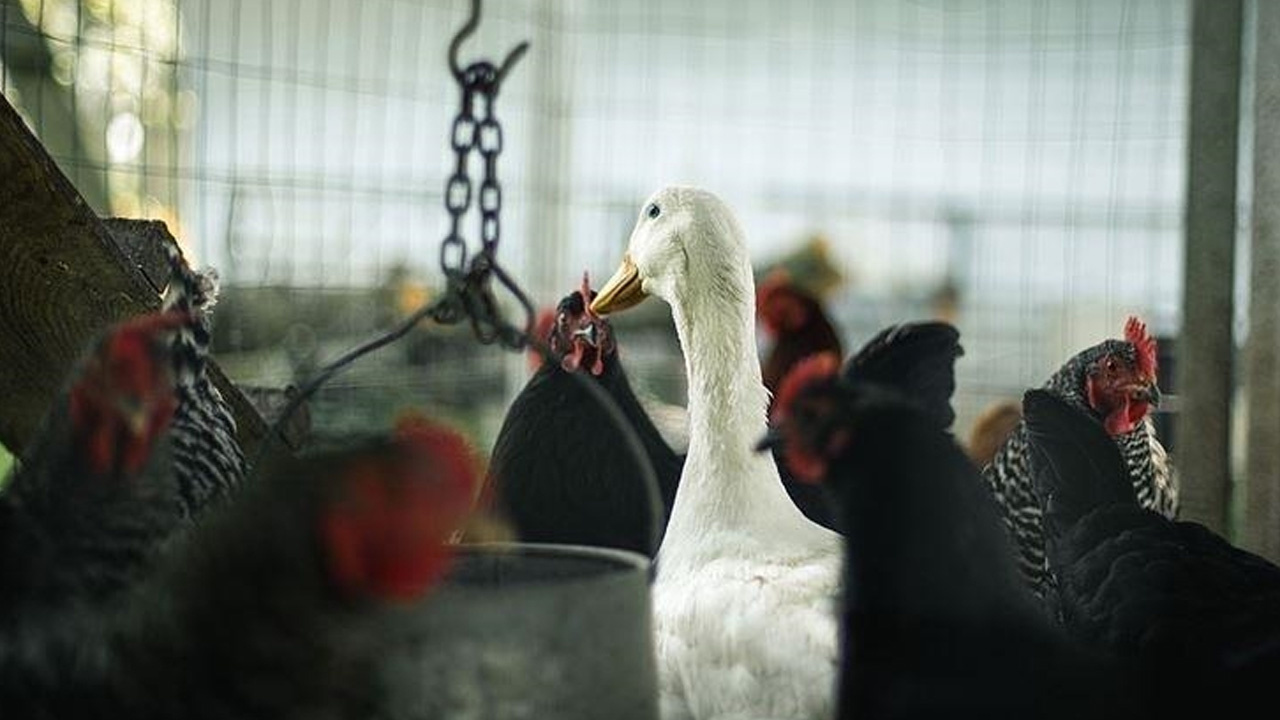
935,622
1115,382
904,356
560,468
93,498
273,607
1172,595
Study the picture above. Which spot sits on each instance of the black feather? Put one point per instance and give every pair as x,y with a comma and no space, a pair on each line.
1080,466
561,469
936,623
916,358
1172,595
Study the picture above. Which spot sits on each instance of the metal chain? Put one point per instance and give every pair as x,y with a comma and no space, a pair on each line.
470,294
469,285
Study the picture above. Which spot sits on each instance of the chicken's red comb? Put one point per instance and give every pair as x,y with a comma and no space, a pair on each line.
383,536
386,534
125,365
447,449
1135,332
813,368
773,283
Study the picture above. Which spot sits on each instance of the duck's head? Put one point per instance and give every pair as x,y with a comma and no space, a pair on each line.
685,239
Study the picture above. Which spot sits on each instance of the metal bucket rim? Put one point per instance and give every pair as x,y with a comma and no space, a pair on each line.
621,559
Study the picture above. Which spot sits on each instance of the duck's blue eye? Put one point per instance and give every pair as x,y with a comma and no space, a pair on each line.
654,211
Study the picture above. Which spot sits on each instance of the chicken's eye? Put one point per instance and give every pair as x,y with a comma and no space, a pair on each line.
1111,364
653,211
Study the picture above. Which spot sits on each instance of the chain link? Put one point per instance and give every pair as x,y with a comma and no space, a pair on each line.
469,284
470,280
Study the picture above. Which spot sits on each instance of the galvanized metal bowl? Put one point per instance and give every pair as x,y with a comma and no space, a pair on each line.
524,630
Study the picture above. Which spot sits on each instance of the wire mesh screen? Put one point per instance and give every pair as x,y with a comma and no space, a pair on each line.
1016,167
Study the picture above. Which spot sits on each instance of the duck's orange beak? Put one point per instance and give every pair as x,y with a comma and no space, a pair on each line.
621,292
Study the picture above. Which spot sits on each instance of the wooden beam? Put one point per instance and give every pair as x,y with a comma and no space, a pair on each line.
65,275
1205,346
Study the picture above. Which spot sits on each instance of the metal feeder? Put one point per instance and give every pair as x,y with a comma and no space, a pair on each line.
522,630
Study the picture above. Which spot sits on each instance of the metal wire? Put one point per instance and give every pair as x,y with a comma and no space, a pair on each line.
1028,152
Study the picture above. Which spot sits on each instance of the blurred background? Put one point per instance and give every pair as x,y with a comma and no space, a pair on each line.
1018,167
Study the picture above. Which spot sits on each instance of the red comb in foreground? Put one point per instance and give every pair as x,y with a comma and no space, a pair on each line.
386,533
125,372
1135,332
818,366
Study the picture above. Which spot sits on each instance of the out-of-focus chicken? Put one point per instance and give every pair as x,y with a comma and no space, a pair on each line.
797,324
991,429
275,606
94,497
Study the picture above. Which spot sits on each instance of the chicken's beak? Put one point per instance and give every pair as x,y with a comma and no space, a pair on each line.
621,292
588,335
1151,393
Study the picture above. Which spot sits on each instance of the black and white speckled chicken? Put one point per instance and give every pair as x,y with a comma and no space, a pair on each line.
274,606
92,501
936,622
1174,596
208,460
1115,382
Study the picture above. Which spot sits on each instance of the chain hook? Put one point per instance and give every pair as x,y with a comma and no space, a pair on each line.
459,72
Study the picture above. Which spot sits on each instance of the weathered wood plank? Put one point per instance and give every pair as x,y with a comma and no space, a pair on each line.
143,243
63,278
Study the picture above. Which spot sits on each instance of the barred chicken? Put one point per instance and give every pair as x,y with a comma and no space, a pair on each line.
1115,382
274,606
208,460
93,498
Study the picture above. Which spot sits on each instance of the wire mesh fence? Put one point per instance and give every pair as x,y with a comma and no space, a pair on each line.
1014,166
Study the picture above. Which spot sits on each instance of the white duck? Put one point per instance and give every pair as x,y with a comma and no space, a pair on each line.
745,594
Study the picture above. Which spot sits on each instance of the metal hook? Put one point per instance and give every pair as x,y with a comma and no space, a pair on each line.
465,32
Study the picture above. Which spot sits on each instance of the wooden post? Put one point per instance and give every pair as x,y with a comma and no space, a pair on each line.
1205,347
1261,532
65,275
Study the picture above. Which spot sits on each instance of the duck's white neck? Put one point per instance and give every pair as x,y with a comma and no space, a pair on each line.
726,484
